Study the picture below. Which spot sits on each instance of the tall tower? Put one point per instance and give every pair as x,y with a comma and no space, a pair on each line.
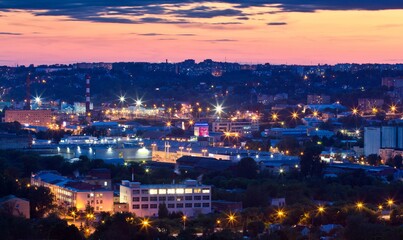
28,93
87,96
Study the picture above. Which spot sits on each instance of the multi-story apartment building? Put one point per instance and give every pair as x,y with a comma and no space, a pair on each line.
190,198
72,193
29,117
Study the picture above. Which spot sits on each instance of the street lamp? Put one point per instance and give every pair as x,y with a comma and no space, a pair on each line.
274,116
184,218
294,115
393,108
390,203
359,205
354,111
321,209
145,223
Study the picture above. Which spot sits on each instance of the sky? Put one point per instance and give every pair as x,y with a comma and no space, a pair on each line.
254,31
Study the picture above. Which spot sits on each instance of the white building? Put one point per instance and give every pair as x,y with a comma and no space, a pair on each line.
244,127
72,193
389,136
372,140
190,198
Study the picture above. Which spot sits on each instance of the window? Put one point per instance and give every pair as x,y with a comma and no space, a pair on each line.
136,206
162,199
153,191
144,191
136,199
188,205
206,190
172,198
197,197
179,205
171,205
162,191
100,201
179,198
188,191
144,199
197,205
180,191
153,206
153,199
188,198
136,191
171,191
88,196
144,206
206,197
105,183
206,204
197,190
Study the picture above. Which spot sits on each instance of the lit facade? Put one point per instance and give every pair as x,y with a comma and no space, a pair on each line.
244,127
29,117
190,198
71,193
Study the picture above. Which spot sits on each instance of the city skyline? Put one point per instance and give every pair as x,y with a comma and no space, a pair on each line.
278,32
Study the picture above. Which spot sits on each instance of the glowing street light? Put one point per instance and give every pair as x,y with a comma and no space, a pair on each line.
374,110
321,209
390,203
294,115
315,113
38,100
218,109
169,124
359,205
184,218
145,223
393,108
274,116
122,99
138,102
231,217
280,214
354,111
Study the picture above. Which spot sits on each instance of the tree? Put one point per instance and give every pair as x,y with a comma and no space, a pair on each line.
163,211
310,161
247,168
398,161
373,159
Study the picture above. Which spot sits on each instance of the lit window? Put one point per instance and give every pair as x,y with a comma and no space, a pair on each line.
188,190
162,191
171,191
206,190
105,183
180,190
154,191
197,190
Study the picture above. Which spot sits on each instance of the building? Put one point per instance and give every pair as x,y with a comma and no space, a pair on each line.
372,140
201,130
318,99
385,137
368,104
190,198
29,117
242,127
15,206
73,193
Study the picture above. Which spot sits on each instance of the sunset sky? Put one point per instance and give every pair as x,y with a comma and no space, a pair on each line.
274,31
